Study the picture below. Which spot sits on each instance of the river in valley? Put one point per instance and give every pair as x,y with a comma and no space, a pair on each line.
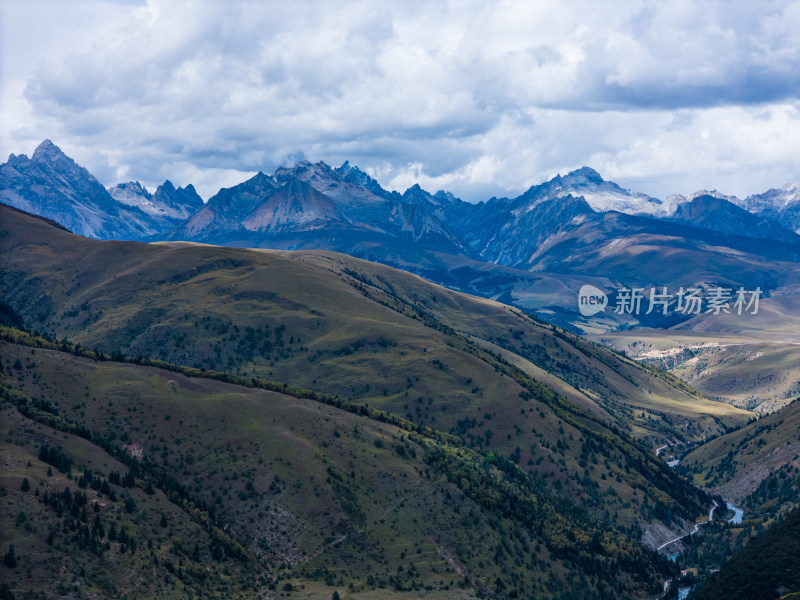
738,514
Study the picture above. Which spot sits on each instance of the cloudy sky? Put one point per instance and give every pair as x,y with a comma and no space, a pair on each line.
478,98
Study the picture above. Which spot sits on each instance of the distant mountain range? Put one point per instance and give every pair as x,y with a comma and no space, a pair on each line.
558,235
52,185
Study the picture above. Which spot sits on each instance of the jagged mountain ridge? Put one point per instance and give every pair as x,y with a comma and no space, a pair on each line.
314,197
260,204
169,204
52,185
781,205
601,195
514,232
363,202
555,228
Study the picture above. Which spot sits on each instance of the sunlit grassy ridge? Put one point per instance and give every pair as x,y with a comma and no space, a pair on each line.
323,321
756,370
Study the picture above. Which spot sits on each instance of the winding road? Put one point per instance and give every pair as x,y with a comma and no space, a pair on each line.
693,531
737,517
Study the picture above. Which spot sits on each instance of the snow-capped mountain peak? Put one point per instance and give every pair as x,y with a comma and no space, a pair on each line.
781,204
601,195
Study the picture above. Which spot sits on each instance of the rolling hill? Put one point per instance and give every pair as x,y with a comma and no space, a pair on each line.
556,405
127,480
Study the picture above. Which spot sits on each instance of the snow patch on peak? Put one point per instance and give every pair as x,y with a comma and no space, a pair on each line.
600,195
715,194
782,205
133,193
775,199
127,189
167,203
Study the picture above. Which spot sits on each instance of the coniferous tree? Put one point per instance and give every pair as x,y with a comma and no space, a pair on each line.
10,560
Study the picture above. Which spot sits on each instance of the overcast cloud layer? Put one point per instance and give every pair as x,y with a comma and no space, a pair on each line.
478,98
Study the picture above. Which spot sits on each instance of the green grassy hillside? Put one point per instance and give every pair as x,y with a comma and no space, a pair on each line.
114,541
379,337
226,490
757,466
325,321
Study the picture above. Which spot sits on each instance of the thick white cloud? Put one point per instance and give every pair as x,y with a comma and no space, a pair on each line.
482,98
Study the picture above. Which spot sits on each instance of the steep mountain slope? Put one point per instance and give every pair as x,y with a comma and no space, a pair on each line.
104,538
750,466
350,196
374,214
767,568
380,337
294,206
290,492
315,207
532,229
132,193
642,251
352,174
52,185
227,210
